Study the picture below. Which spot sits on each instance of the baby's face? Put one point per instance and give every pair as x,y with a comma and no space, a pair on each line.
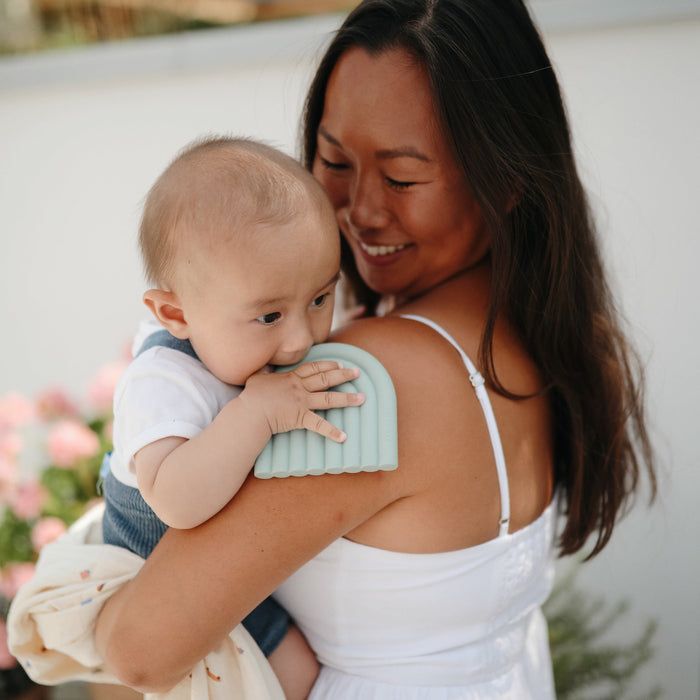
264,299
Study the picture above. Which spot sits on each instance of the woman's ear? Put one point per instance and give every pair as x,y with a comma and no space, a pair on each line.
166,308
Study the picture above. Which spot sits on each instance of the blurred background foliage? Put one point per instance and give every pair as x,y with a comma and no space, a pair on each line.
35,25
589,660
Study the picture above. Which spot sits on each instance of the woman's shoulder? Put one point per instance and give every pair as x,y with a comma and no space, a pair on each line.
432,384
441,419
399,343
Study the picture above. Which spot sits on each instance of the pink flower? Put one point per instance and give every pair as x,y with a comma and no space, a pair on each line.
55,403
100,391
11,444
7,661
45,531
9,474
14,577
15,411
28,499
69,441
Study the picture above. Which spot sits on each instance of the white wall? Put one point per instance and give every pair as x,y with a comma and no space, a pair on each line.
635,105
84,133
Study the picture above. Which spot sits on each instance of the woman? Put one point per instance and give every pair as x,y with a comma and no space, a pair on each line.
437,128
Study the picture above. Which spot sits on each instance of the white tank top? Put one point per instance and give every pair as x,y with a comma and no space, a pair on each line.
446,626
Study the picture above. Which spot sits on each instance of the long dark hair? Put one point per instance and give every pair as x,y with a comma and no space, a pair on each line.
501,112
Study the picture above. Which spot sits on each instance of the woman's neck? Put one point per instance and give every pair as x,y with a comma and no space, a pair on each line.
471,286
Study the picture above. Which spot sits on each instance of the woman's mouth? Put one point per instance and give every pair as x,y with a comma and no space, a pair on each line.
375,251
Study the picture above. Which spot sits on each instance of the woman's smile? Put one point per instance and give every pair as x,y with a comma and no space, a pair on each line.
382,254
375,250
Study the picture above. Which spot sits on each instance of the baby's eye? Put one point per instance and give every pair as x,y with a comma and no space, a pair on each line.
269,319
320,300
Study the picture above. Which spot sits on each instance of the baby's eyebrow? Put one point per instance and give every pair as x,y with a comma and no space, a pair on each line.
266,302
332,280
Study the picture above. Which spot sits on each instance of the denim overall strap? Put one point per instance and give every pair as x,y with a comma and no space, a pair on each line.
166,339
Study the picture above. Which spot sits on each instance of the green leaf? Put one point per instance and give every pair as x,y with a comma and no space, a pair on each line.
15,539
66,496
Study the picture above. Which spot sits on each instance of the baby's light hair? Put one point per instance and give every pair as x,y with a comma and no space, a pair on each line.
218,185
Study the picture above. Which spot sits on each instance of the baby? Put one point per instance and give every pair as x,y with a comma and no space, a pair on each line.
242,248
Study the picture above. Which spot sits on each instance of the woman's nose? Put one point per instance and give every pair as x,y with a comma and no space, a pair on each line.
366,206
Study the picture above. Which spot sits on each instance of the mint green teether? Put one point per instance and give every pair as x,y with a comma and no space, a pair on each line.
371,443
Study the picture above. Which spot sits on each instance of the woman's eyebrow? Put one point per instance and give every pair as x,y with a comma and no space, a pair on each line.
331,139
383,154
402,152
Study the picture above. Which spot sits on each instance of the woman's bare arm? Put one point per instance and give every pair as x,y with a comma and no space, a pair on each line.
198,584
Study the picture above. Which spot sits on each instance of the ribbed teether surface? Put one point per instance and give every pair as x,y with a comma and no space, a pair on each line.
371,428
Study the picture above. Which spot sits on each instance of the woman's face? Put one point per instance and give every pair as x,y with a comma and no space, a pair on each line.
400,200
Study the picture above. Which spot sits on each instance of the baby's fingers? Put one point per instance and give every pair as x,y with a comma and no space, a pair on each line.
323,400
325,378
318,366
314,422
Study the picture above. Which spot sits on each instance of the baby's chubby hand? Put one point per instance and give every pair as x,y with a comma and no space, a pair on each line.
287,400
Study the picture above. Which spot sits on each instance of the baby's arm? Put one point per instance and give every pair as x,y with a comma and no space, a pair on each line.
188,481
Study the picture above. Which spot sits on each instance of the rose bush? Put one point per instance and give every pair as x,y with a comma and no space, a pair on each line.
50,457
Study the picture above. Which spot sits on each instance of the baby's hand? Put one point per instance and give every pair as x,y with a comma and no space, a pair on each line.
288,399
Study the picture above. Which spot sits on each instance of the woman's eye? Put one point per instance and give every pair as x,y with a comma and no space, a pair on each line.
331,165
398,185
269,319
320,300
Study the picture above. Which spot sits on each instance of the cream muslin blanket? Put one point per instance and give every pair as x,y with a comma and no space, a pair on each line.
52,622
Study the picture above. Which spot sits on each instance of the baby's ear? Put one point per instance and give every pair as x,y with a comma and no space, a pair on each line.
167,310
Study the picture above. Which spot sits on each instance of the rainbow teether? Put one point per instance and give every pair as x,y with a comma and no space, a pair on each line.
371,443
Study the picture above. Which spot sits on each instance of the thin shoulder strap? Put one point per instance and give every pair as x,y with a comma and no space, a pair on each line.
477,381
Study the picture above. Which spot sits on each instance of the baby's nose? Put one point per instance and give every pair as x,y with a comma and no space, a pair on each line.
296,343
